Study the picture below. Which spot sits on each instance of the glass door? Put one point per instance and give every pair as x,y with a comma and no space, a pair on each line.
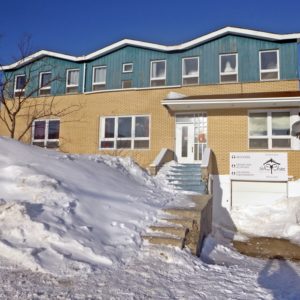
185,143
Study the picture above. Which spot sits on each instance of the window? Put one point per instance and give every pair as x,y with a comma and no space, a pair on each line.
126,132
72,81
126,84
20,84
228,68
127,68
190,70
158,73
269,65
269,130
45,83
99,78
45,133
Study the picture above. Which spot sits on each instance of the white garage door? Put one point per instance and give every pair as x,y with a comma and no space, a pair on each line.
245,193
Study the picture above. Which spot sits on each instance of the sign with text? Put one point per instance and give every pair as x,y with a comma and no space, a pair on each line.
260,166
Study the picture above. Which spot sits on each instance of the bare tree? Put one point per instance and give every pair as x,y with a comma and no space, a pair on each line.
26,99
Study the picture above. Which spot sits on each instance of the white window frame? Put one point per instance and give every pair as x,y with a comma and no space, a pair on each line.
100,82
158,78
269,135
15,85
116,138
72,85
269,70
189,76
45,88
123,84
229,73
45,140
127,64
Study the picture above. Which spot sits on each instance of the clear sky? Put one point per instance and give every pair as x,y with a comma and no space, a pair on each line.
79,27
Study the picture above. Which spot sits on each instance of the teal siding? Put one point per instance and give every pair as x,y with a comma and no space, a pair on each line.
208,53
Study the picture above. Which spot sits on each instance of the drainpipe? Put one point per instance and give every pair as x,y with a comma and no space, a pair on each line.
83,81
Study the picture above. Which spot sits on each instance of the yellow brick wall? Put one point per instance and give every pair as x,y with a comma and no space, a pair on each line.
79,132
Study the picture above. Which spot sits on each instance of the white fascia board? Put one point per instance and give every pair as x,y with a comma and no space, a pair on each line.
229,103
129,42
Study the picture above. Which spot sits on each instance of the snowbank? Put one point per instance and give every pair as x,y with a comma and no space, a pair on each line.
65,213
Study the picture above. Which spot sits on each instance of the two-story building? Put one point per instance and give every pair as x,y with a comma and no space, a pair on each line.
233,90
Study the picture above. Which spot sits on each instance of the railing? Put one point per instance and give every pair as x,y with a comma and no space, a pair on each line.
165,155
206,169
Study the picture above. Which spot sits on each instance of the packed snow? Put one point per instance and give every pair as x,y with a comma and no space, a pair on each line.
71,225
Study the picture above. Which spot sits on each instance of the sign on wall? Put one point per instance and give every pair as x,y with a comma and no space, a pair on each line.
260,166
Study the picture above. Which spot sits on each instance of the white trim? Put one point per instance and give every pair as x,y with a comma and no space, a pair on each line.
15,84
45,140
236,72
72,85
115,138
127,64
158,78
269,137
189,76
183,46
269,70
45,88
83,78
94,83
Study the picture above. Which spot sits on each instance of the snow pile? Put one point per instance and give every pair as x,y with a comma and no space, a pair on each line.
65,213
279,220
174,96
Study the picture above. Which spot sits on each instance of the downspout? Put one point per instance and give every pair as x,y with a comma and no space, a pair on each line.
83,80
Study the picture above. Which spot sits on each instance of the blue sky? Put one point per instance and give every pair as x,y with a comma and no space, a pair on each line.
79,27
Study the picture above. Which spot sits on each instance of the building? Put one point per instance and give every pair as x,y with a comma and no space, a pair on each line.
232,90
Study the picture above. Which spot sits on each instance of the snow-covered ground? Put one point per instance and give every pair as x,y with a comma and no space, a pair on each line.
70,228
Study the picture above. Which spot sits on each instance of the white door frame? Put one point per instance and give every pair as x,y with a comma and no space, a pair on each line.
185,134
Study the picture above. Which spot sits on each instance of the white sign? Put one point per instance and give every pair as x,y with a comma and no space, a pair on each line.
260,166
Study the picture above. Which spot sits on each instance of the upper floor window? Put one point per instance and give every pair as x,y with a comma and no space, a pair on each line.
158,73
45,133
269,65
269,130
20,84
228,68
127,68
45,83
126,132
72,81
126,84
99,78
190,70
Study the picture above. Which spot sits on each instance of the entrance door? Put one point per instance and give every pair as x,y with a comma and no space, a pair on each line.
185,143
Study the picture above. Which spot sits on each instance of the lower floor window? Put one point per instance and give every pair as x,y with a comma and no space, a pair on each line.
45,133
269,130
125,132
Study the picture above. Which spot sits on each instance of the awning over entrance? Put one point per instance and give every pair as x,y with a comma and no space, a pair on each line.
177,102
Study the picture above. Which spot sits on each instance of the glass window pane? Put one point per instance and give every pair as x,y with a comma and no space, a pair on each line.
99,75
158,82
46,80
158,69
269,75
124,127
124,144
52,145
98,87
73,89
127,67
228,63
126,84
229,78
73,77
185,119
191,80
109,130
190,67
280,123
39,130
258,143
53,129
20,82
107,144
258,124
184,141
281,143
141,144
40,144
142,127
268,60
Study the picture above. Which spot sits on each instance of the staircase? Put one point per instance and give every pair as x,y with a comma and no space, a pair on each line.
186,177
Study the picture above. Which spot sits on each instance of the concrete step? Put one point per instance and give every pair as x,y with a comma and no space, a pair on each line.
194,179
178,231
185,222
191,213
164,240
